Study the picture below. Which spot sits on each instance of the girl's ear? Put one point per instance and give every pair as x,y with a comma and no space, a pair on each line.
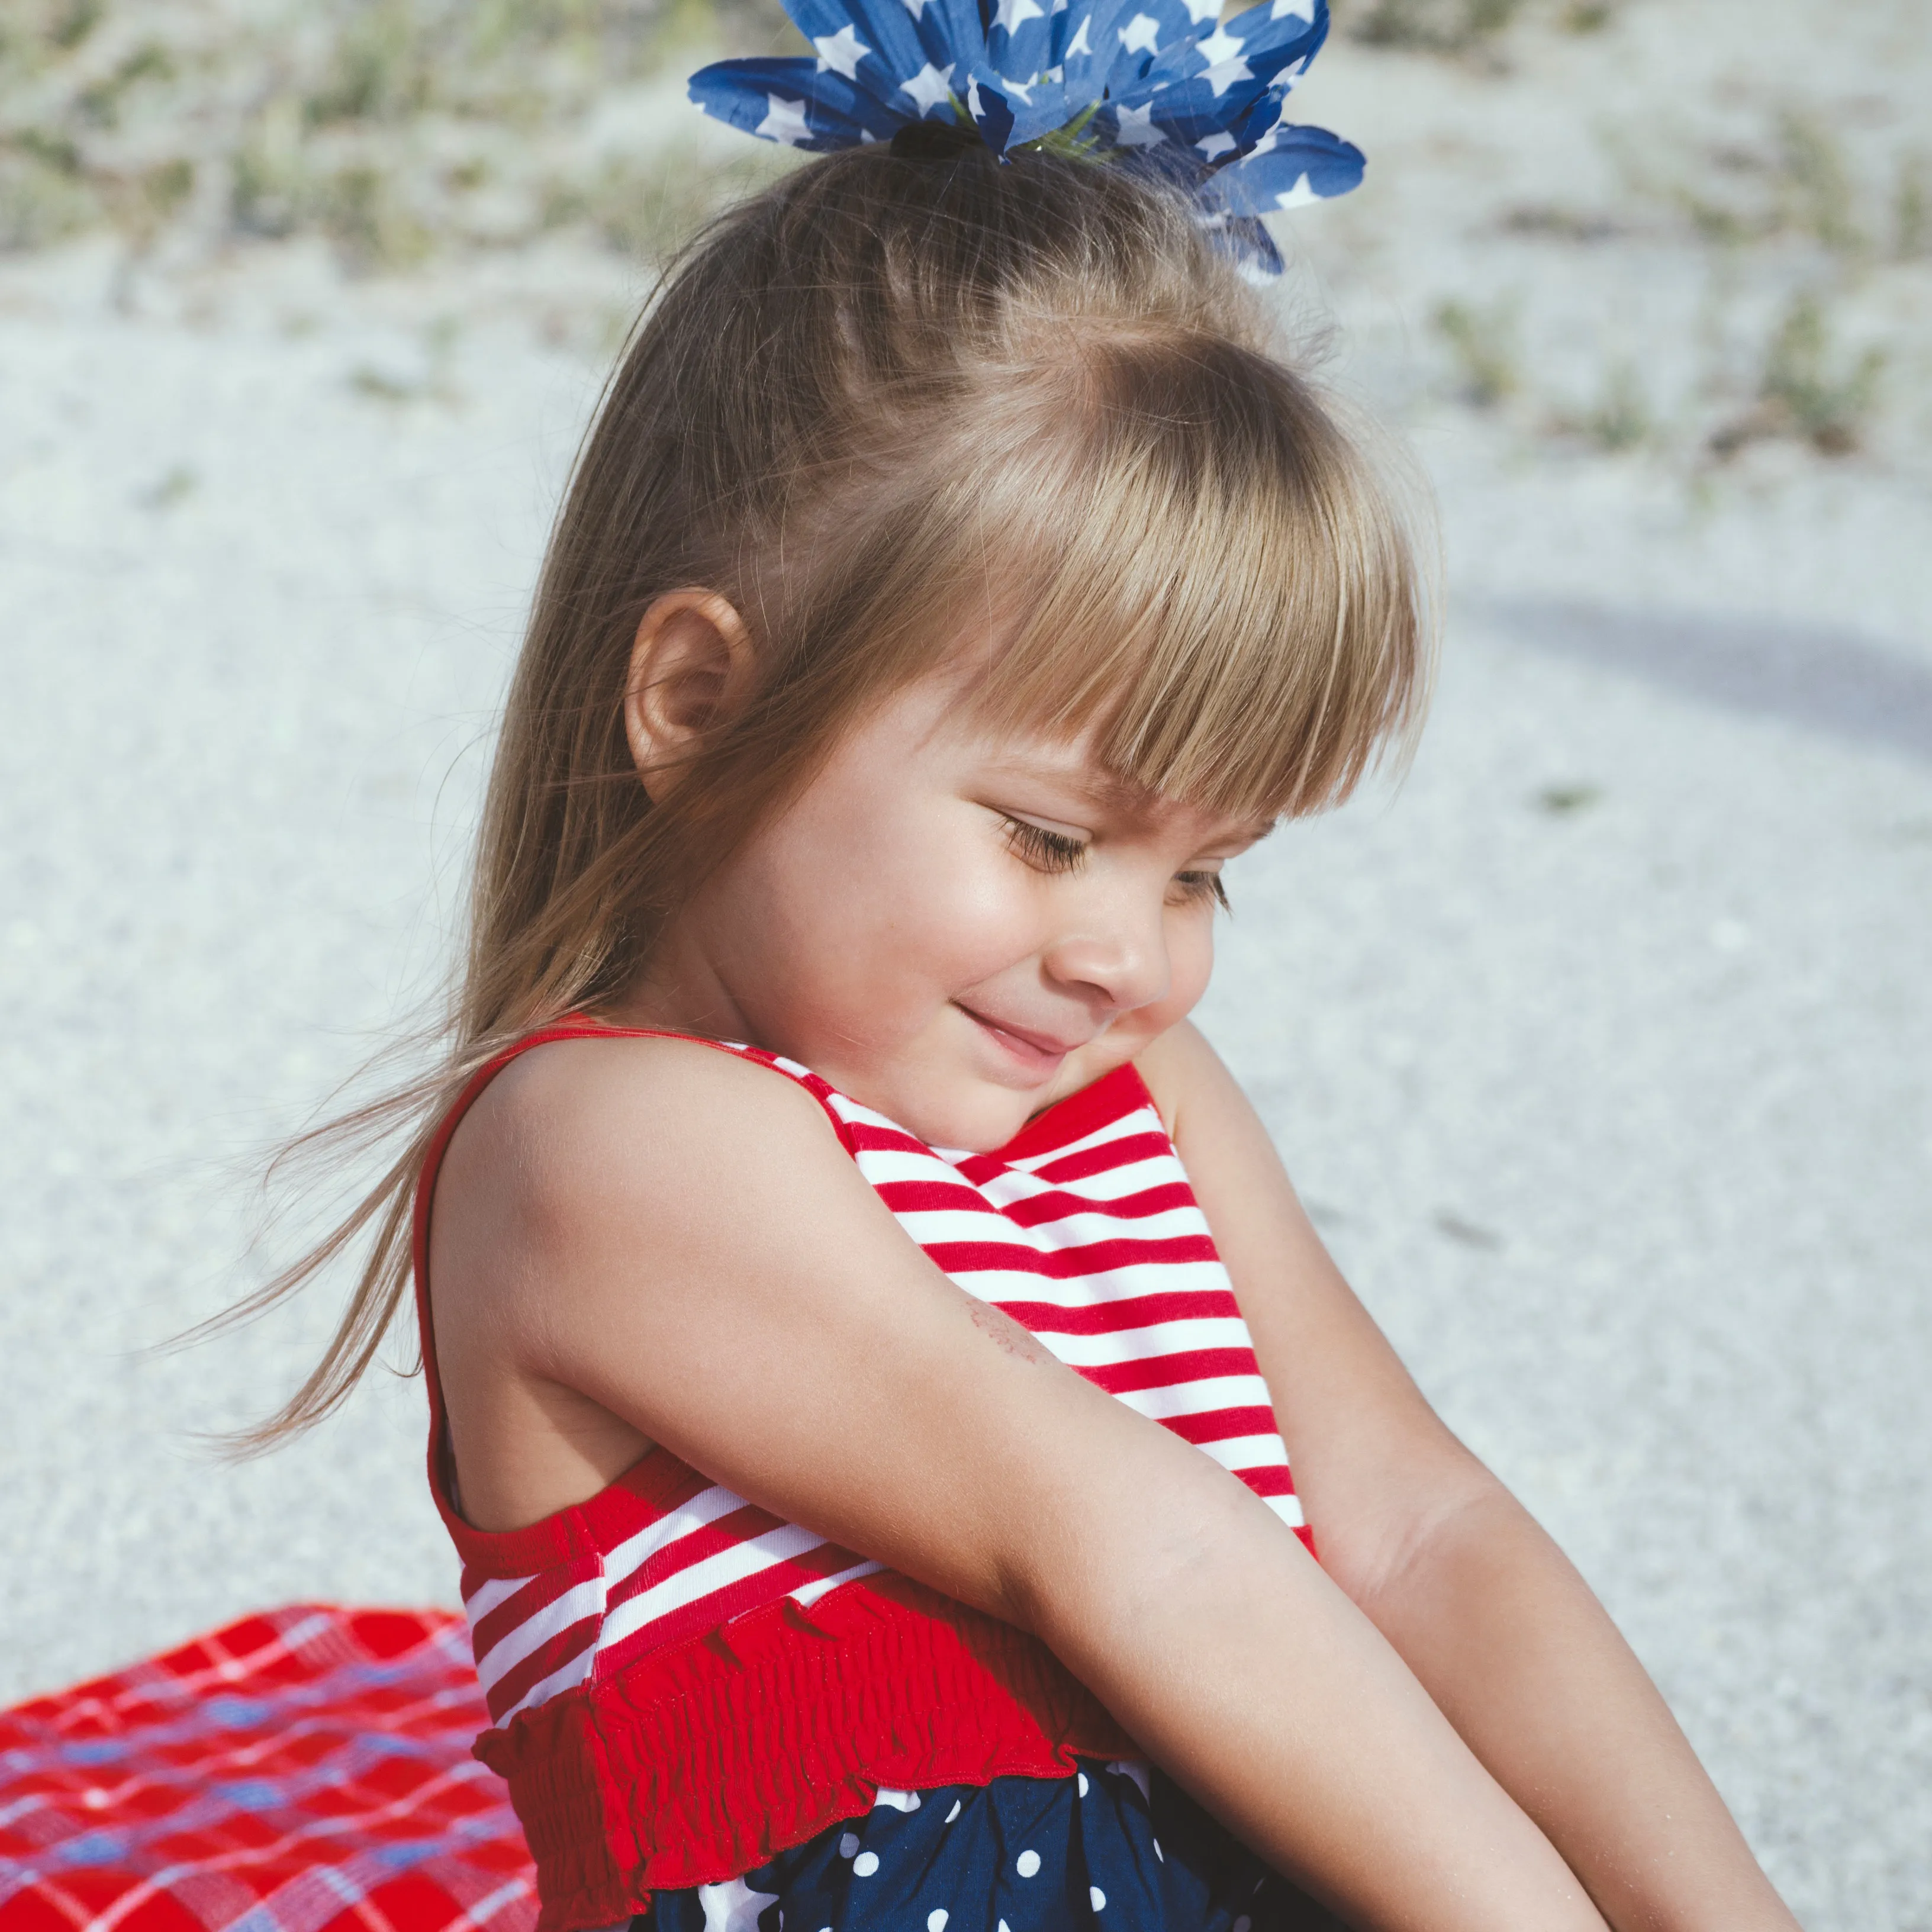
690,667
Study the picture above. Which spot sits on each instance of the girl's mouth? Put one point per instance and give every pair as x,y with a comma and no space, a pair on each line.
1038,1053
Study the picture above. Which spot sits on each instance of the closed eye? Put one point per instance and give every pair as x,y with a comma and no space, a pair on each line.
1046,851
1189,886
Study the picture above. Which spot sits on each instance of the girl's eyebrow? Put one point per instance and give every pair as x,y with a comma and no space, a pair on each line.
1103,789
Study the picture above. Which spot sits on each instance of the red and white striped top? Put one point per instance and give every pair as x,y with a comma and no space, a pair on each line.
1084,1229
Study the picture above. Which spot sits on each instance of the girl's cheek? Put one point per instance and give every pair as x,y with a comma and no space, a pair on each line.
982,902
1191,963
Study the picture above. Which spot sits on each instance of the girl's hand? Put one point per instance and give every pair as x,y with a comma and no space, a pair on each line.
641,1241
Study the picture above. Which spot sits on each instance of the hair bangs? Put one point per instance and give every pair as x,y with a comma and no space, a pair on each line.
1216,586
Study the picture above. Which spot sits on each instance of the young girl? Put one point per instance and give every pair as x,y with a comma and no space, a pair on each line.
866,1330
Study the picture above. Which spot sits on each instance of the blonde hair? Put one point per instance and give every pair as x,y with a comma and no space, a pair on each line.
884,395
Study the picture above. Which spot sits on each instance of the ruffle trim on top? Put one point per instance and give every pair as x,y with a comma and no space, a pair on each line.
696,1763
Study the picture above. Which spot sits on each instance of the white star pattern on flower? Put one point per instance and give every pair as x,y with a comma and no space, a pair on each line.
1147,59
1222,76
733,1906
785,120
931,87
1218,45
841,52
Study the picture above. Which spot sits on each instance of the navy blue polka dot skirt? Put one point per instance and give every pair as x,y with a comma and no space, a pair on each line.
1116,1849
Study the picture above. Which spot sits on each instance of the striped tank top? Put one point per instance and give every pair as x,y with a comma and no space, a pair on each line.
680,1684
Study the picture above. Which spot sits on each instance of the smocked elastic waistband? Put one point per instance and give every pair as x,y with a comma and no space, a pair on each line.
691,1765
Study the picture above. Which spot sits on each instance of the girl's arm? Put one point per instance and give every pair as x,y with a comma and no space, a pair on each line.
1480,1603
678,1236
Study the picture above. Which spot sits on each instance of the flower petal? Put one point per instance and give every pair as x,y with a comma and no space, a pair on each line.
791,101
1144,30
1270,43
901,37
1292,165
987,104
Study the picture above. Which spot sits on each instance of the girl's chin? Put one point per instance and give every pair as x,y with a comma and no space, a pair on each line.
972,1122
971,1092
965,1112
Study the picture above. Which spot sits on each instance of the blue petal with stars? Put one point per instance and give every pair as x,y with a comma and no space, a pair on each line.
1084,39
954,29
1019,38
1148,28
879,43
1008,112
1126,129
1221,74
790,101
1293,166
991,110
1248,241
1161,85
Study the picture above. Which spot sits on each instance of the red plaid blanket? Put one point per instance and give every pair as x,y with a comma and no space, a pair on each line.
308,1770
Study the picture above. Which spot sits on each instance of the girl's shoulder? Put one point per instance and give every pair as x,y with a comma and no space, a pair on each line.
606,1225
578,1142
1182,1073
601,1119
589,1071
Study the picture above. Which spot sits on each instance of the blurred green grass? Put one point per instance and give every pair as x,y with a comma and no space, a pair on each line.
397,129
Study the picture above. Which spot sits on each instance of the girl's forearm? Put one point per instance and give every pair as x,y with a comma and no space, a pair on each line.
1245,1672
1510,1642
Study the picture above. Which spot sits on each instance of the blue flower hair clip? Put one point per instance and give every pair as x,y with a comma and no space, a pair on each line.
1163,86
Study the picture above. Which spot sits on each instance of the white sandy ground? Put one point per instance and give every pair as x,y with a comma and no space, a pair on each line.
1619,1116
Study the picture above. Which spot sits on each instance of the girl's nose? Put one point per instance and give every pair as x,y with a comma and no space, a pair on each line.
1122,957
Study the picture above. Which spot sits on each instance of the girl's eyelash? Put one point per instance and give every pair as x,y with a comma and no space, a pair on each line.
1055,852
1050,851
1203,886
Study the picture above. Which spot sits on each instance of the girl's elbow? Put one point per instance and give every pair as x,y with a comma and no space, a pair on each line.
1381,1551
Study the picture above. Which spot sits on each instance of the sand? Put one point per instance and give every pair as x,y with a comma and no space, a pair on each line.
1602,1048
